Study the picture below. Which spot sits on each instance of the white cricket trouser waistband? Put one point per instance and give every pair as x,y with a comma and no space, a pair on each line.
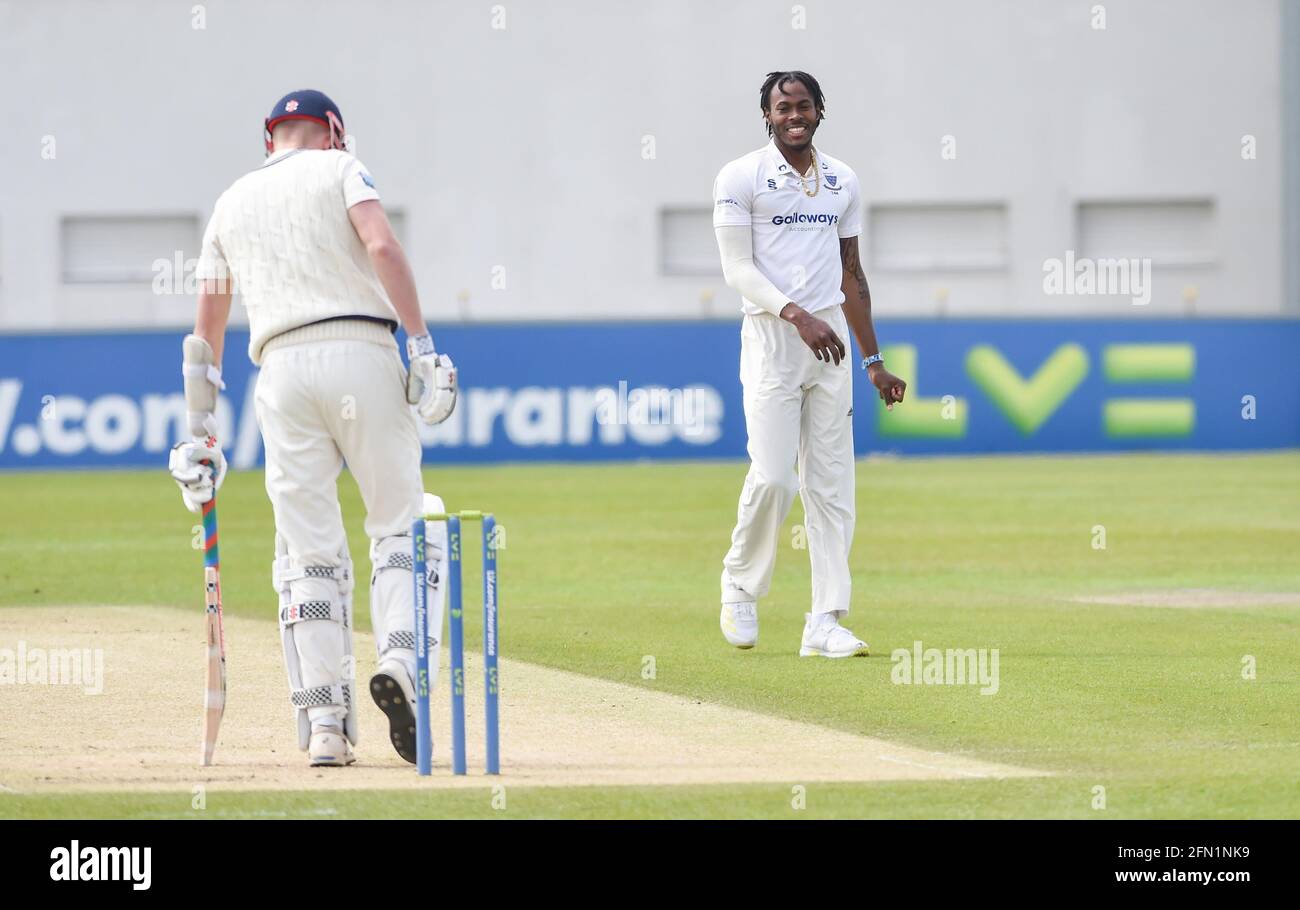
334,330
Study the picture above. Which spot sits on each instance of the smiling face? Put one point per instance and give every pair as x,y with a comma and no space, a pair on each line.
792,115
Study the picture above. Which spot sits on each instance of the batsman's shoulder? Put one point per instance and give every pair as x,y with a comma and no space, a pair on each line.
343,161
240,185
223,199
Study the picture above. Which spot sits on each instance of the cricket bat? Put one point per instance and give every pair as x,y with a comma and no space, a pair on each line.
214,696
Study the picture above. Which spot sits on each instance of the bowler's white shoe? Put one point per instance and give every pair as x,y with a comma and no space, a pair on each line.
823,636
329,748
739,624
394,693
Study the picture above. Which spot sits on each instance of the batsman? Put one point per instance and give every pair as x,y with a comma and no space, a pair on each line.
305,242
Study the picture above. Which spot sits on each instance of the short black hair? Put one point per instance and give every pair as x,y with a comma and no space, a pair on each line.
785,77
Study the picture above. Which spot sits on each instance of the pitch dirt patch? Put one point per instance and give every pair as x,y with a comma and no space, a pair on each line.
557,728
1193,599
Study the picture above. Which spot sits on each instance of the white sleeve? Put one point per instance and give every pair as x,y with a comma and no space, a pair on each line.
851,223
358,185
736,244
212,260
733,197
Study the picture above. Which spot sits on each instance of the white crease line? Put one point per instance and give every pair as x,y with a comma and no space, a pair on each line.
917,764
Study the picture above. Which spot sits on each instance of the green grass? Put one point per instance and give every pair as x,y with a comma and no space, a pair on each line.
606,564
1229,797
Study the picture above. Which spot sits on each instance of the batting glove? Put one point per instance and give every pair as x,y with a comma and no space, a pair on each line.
431,381
198,467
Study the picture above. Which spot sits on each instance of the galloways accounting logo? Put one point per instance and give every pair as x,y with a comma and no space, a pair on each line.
798,218
76,863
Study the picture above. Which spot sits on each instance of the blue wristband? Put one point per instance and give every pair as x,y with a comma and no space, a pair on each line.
874,358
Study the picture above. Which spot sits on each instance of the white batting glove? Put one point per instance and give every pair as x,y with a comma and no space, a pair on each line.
431,382
199,482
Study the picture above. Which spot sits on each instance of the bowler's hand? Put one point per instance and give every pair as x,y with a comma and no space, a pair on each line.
819,336
890,387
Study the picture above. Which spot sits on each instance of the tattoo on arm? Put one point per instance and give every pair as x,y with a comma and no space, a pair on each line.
852,264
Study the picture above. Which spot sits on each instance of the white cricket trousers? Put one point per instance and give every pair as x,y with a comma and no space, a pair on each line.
799,414
321,403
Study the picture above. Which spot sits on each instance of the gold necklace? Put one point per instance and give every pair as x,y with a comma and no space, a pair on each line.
817,178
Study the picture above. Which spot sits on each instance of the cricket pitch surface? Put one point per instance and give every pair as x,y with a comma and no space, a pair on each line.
142,732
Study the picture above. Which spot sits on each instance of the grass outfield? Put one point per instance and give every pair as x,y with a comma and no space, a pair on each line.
607,564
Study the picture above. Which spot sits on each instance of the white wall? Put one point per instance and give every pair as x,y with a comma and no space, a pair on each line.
522,147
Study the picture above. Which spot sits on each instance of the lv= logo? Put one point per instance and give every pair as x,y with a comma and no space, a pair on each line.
1028,402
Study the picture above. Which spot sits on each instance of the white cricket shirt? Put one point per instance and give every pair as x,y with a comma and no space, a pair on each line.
796,236
283,233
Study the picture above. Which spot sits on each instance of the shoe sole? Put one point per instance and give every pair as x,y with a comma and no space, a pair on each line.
332,761
389,698
834,655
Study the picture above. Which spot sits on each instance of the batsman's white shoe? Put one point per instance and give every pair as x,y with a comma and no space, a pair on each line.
394,692
823,636
739,624
329,748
